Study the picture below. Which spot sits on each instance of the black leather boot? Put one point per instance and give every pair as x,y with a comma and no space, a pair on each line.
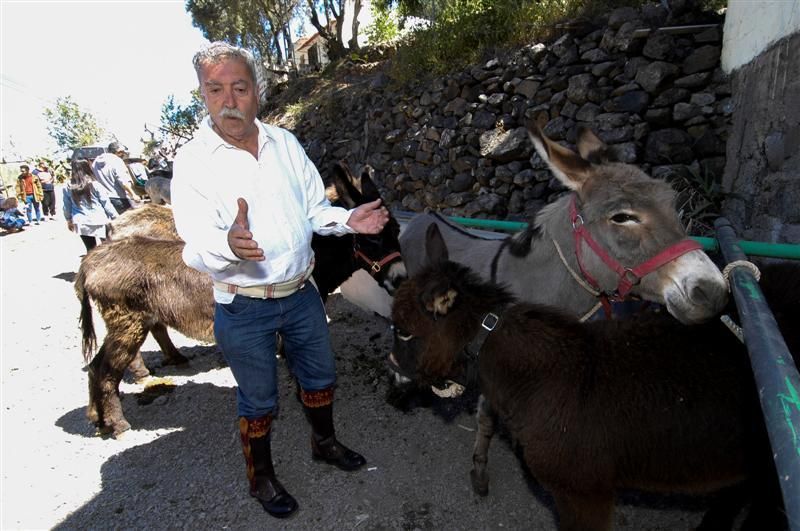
318,406
260,472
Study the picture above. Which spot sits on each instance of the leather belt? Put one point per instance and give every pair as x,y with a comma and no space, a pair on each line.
269,291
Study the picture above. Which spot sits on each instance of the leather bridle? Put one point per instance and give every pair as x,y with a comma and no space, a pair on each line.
628,276
375,266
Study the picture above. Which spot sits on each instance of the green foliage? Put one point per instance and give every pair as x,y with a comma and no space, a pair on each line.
700,198
384,26
462,31
71,127
257,25
178,125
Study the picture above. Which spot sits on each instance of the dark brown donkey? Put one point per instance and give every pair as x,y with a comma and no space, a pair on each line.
142,285
645,404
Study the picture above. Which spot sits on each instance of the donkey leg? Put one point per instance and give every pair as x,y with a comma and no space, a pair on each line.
138,369
583,511
93,412
725,507
126,333
479,475
171,354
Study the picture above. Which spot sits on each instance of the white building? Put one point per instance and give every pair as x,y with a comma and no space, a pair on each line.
310,51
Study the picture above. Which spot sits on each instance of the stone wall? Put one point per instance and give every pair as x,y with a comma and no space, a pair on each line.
457,143
762,176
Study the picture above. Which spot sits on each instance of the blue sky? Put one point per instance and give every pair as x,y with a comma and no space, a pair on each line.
119,60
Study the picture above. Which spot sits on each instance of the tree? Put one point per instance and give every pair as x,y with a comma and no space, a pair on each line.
333,13
384,26
258,25
71,127
178,125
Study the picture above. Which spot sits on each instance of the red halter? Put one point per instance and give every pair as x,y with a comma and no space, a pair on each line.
628,276
376,266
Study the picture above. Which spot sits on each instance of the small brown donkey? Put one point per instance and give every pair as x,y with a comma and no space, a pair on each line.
140,285
646,404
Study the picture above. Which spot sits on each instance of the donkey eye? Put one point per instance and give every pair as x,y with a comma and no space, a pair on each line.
402,336
623,218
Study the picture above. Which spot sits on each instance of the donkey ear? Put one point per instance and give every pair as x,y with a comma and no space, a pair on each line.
439,302
566,165
591,147
435,247
369,191
347,185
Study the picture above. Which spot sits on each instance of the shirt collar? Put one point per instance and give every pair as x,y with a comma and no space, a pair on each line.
214,141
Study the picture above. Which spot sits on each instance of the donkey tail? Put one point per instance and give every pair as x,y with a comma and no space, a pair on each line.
89,339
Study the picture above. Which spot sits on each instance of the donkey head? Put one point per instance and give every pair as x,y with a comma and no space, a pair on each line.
626,233
378,254
436,313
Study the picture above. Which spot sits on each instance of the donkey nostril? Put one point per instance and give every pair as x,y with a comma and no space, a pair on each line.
708,294
699,294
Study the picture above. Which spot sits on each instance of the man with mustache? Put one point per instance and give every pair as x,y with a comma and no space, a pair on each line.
246,200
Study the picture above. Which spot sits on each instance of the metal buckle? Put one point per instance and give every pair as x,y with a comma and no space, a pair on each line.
577,222
629,276
376,267
490,321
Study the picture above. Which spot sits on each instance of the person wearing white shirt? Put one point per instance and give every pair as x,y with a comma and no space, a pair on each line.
246,200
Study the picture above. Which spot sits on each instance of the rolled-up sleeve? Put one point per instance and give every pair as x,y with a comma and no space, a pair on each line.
197,219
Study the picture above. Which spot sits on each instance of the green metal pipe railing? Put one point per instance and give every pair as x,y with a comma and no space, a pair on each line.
766,249
776,376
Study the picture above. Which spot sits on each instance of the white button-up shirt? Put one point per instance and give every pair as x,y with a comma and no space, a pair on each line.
285,197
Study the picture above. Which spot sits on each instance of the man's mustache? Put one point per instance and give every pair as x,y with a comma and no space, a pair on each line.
231,113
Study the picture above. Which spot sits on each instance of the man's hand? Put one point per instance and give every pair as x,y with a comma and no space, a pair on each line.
70,225
240,239
369,218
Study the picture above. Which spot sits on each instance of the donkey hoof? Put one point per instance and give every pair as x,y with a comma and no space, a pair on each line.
92,414
480,483
119,428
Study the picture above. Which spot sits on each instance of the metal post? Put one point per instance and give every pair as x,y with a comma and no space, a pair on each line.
776,376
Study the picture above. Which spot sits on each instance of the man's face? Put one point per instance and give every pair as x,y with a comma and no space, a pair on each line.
25,170
231,97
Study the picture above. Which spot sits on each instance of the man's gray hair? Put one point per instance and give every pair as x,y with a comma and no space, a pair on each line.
218,51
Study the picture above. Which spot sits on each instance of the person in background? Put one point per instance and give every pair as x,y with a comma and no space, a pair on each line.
48,190
112,176
12,219
139,173
87,208
29,191
246,200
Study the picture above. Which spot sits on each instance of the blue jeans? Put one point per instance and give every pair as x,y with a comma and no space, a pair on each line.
30,200
245,331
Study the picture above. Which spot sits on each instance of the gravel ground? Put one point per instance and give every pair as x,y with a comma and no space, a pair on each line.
181,464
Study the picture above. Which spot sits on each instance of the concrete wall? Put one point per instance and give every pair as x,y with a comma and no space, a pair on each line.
751,27
761,46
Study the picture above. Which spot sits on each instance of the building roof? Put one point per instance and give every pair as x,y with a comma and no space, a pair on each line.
303,43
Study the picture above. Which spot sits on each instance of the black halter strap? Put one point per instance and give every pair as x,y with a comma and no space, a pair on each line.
488,324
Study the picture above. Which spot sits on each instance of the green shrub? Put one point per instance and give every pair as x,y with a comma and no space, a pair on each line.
384,27
464,31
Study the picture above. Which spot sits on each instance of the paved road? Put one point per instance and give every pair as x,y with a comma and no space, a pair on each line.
181,466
